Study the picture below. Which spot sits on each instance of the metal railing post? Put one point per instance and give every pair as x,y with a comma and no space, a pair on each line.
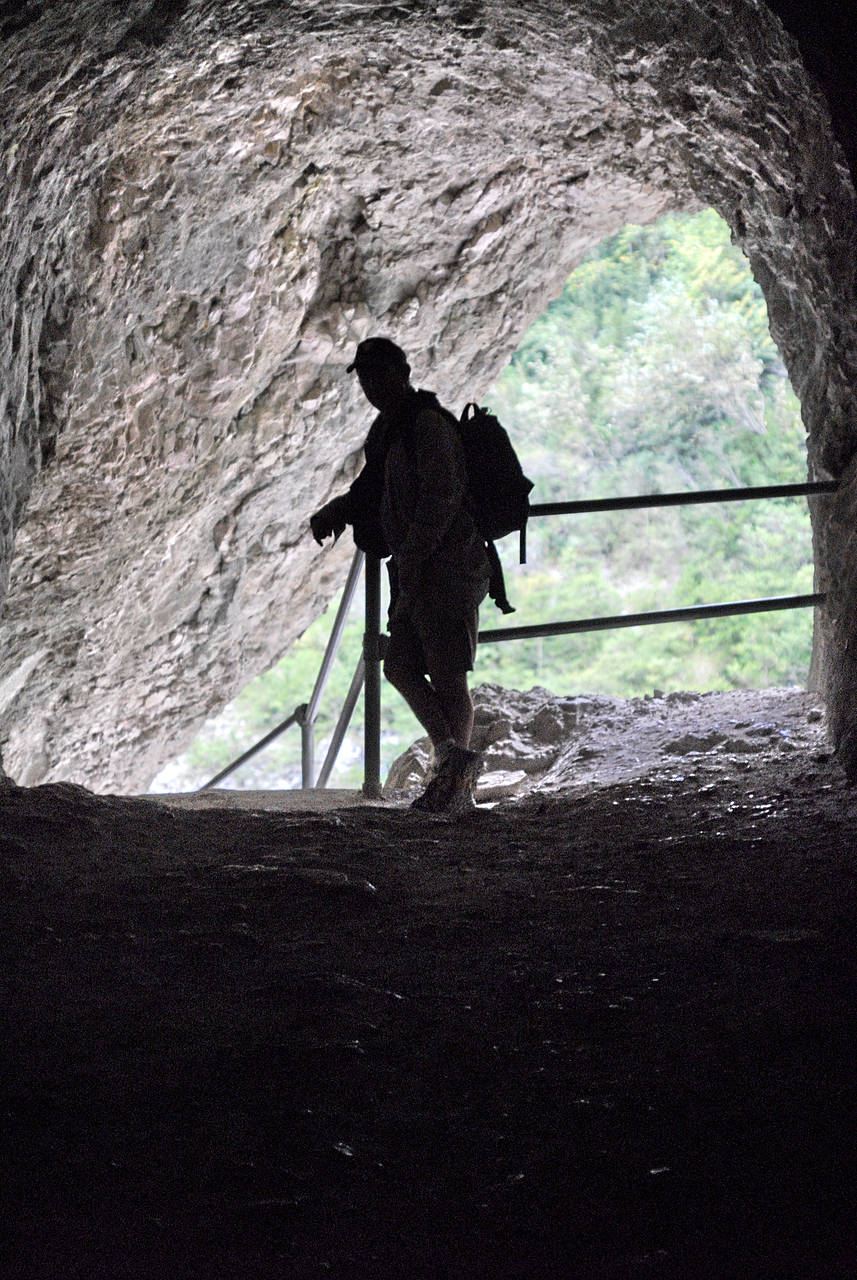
372,681
307,752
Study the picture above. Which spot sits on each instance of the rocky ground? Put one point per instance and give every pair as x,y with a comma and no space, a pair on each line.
604,1029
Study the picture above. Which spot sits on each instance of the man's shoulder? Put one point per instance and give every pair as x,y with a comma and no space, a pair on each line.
429,414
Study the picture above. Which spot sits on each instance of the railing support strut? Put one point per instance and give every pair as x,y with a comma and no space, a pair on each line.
342,724
372,682
308,723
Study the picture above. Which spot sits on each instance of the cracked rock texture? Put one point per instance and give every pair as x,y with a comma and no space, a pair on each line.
204,206
538,742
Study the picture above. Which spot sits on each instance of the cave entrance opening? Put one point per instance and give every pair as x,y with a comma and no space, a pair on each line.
653,371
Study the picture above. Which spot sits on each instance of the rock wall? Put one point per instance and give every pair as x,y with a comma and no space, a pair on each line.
206,205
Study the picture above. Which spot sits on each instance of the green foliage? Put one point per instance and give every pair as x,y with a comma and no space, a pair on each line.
270,698
653,371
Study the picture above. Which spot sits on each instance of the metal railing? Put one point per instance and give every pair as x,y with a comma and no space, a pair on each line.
368,670
305,713
693,612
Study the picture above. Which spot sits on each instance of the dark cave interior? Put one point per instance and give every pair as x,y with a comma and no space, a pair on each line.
606,1033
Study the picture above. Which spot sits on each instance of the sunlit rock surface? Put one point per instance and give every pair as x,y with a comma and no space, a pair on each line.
537,742
204,207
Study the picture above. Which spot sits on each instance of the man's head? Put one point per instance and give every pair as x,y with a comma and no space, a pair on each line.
383,370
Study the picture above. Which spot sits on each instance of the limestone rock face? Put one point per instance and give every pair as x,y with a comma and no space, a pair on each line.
206,205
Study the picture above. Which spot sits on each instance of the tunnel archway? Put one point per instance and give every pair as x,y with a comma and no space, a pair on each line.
653,371
205,211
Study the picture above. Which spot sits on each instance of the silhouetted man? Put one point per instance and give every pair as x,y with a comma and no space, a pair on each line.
410,502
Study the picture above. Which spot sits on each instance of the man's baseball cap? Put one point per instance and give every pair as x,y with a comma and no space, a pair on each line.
377,353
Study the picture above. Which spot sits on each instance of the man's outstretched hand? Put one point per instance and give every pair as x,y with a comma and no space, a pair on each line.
329,519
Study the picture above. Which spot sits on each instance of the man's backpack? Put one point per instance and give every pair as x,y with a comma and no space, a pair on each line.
498,487
499,490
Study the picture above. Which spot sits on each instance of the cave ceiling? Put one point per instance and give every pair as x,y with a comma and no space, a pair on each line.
206,205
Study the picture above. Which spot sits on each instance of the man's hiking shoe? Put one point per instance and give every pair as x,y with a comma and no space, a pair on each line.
451,789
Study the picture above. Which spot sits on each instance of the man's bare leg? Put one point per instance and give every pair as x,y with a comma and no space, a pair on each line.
452,787
423,699
444,708
442,705
454,697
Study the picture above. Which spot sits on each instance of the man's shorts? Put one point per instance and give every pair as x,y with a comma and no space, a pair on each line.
434,640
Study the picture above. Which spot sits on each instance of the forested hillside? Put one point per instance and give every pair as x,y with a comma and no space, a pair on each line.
654,371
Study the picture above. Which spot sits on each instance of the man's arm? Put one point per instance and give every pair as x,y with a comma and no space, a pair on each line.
330,519
336,514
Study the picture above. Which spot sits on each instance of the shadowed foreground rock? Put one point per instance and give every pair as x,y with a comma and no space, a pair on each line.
603,1034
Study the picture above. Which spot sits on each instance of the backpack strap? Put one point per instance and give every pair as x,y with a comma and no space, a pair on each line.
496,581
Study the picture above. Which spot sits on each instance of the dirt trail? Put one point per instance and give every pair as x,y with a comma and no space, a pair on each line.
605,1031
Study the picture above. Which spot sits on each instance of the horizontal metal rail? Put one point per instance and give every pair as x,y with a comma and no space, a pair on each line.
803,490
693,612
